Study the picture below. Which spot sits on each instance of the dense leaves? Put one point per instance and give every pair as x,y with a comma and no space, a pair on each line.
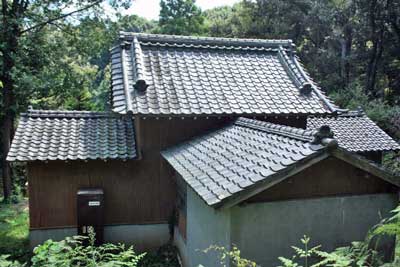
181,17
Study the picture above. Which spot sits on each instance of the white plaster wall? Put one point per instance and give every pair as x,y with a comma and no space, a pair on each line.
180,243
265,231
205,226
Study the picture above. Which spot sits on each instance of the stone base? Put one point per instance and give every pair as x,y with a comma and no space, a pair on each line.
143,237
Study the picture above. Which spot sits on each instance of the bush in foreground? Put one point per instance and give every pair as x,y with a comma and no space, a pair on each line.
72,252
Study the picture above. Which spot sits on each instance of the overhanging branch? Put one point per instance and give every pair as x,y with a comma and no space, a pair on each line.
44,23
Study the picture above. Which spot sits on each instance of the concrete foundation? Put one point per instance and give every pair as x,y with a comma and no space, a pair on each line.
144,237
39,236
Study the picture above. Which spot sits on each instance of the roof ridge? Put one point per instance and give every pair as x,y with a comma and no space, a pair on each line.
206,40
40,113
298,76
125,78
328,103
343,114
210,46
283,130
301,78
138,66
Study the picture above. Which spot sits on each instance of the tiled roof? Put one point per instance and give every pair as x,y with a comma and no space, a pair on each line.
72,135
355,132
180,75
231,159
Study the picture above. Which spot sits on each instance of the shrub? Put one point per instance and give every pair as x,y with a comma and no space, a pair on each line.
358,254
72,252
233,256
6,262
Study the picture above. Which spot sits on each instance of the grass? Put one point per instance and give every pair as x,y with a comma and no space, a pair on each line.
14,230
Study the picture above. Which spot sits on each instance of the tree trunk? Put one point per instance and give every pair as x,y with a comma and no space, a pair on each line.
9,34
348,35
377,13
345,44
7,128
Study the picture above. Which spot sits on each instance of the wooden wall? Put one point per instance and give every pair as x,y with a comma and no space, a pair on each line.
329,177
130,196
136,191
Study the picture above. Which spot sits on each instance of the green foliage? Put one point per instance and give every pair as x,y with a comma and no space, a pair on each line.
391,161
378,110
6,262
232,256
14,231
389,226
71,252
181,17
358,254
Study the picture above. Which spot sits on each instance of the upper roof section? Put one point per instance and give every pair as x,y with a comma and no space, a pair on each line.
355,132
72,135
181,75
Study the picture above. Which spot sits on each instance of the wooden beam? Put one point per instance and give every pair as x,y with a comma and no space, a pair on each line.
138,136
272,180
366,165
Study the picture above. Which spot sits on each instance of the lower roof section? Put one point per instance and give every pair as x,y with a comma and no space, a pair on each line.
45,135
231,164
227,161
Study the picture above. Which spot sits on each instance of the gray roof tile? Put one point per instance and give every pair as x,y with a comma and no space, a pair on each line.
229,160
195,76
355,132
72,135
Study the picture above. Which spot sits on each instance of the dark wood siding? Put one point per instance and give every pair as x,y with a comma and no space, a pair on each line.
329,177
130,196
136,192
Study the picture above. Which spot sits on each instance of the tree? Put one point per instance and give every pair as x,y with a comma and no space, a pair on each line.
22,18
181,17
76,71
